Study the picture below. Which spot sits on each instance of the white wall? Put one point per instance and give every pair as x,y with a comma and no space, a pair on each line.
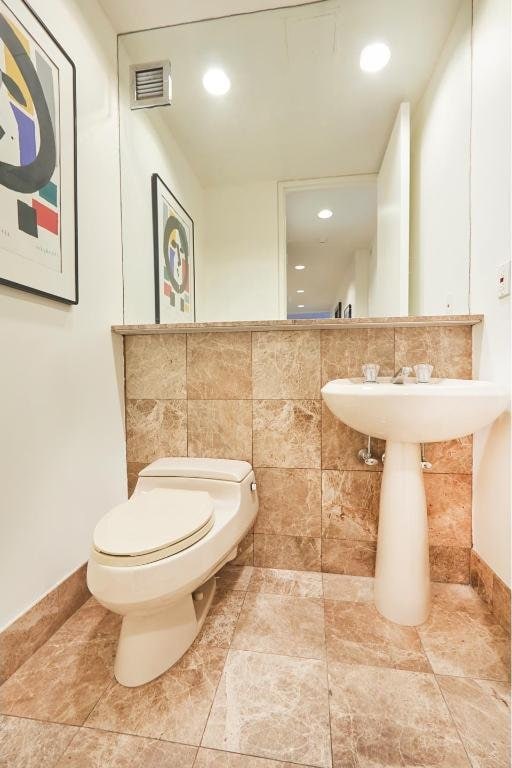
62,447
389,291
149,147
372,272
490,247
239,261
353,286
440,162
361,264
346,292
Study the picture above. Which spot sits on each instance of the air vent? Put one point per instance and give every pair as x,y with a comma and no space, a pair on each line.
150,85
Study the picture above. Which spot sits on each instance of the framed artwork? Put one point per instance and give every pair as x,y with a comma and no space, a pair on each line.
173,245
38,208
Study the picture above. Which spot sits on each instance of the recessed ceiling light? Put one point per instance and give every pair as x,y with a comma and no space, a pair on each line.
300,266
300,290
216,82
300,306
374,57
325,213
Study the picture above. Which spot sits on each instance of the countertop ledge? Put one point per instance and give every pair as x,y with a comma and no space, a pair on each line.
299,325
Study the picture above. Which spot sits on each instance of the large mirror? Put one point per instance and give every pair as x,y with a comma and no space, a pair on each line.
313,161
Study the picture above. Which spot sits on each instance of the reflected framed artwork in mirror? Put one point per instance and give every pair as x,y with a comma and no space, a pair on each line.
173,249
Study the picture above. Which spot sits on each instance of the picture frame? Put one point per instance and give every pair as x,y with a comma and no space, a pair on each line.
38,158
173,252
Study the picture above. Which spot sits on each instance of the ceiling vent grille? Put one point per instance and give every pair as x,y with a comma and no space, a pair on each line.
150,85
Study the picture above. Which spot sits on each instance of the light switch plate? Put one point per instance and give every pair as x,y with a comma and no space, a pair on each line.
503,280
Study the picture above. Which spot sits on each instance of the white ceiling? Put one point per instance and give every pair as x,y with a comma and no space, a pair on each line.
130,15
326,246
299,106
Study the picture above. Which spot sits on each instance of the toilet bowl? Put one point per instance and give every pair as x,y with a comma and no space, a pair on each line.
154,557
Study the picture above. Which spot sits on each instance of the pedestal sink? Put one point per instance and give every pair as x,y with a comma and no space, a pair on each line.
406,415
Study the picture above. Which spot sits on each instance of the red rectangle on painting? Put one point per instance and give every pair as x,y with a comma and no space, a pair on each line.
46,218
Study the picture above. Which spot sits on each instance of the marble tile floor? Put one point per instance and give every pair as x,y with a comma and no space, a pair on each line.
291,668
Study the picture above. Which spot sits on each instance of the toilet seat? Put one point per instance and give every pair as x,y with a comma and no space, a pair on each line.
151,526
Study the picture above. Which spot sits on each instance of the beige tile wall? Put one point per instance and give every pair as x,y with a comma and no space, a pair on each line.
256,396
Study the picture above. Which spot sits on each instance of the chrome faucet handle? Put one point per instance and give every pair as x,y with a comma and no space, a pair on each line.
423,372
370,373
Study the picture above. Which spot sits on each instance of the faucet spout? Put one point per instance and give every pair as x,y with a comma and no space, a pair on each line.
402,374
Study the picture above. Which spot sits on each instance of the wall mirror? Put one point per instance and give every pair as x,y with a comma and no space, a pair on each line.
313,161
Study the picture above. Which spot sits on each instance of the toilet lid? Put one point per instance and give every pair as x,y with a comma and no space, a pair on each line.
152,521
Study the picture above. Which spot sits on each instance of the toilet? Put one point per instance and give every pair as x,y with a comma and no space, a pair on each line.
154,557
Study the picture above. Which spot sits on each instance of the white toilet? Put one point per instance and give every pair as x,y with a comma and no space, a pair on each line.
154,557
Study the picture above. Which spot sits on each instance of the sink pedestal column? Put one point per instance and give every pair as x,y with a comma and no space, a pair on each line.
402,574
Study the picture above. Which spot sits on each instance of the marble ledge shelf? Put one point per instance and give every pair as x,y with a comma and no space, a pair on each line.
277,325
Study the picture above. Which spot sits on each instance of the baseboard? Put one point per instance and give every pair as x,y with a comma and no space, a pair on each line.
26,634
491,589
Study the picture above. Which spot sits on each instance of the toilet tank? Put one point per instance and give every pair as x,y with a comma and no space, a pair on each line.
226,480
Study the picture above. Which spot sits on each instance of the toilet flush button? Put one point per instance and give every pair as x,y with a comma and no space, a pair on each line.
503,280
253,486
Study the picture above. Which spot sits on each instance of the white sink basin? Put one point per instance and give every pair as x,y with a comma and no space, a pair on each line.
415,413
406,415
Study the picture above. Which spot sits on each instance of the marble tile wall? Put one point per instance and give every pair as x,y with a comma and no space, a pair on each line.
255,395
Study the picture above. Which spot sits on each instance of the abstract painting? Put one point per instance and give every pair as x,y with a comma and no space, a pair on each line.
173,244
38,227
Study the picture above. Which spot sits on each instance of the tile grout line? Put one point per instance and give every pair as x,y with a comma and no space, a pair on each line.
260,757
274,653
68,745
470,762
221,675
327,674
136,735
352,663
111,684
194,761
104,731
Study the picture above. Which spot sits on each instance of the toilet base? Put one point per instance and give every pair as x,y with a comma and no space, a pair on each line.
149,644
